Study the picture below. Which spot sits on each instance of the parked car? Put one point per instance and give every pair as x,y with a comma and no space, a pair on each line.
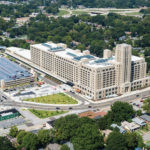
142,100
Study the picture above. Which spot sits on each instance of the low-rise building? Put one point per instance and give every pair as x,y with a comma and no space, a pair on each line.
121,129
106,132
130,126
139,121
146,117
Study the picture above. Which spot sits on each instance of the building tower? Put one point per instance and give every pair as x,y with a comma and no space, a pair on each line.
123,58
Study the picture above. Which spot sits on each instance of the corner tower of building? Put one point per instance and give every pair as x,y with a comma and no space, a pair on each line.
123,58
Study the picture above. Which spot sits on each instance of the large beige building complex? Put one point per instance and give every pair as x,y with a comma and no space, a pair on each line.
97,78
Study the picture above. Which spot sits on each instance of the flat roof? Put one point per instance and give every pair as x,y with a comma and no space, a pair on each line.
20,51
11,71
52,47
139,121
12,111
135,58
61,50
146,117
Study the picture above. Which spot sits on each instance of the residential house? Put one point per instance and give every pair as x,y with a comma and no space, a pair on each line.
146,117
130,126
139,121
121,129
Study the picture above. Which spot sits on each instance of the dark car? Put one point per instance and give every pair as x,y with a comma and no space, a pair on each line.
57,108
70,107
4,97
89,106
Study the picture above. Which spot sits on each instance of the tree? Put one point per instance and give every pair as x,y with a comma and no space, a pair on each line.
139,112
5,144
30,141
13,131
45,136
116,141
88,137
133,140
64,147
146,105
20,136
121,111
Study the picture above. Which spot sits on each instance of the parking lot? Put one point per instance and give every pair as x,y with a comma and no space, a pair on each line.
137,104
12,122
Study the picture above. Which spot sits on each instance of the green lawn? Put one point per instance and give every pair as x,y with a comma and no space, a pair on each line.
115,10
63,12
78,12
134,13
53,99
45,114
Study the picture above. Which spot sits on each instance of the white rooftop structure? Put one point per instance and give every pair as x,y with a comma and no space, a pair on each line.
21,52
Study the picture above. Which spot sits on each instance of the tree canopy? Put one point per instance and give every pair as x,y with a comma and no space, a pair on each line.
127,141
146,105
5,144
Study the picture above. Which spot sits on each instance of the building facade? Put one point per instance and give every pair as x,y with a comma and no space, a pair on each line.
97,78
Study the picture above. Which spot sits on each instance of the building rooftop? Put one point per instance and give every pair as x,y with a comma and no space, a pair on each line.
52,47
135,58
61,50
8,112
11,71
121,129
139,121
20,51
130,125
146,117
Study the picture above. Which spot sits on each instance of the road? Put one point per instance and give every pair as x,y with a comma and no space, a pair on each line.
7,101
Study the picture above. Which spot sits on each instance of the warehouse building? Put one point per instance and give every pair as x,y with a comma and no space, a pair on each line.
95,77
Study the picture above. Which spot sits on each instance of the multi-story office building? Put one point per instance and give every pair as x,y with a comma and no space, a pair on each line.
95,77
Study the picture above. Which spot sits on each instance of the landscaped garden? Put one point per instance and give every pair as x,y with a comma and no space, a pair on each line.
45,114
60,98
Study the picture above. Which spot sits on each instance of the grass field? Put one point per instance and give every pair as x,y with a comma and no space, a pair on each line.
78,12
63,12
134,13
115,10
53,99
45,114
